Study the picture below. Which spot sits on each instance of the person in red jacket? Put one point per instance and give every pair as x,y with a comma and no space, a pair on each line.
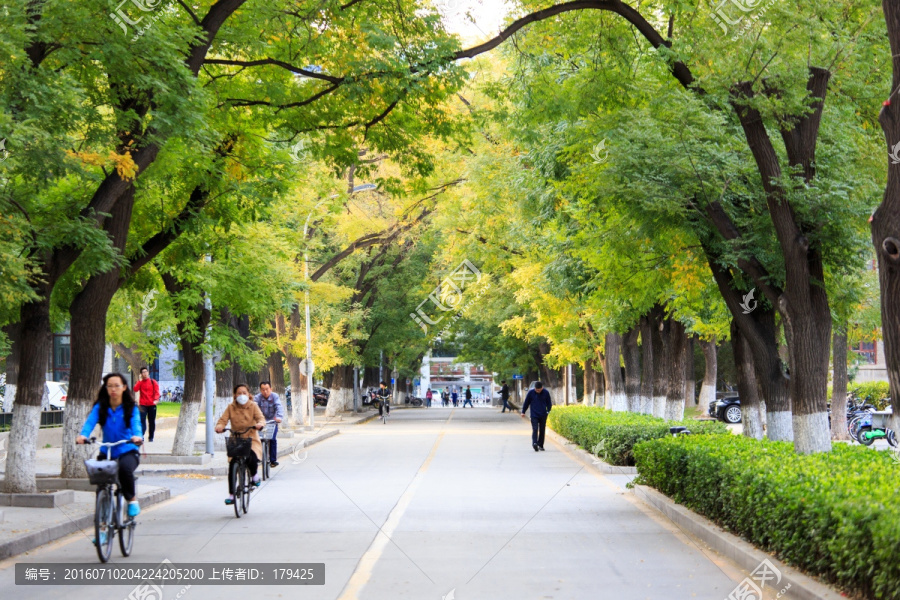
149,398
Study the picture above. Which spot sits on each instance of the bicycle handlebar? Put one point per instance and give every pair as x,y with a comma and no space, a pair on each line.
93,440
239,432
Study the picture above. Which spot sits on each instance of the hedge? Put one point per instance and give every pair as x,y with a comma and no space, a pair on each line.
612,435
833,514
873,392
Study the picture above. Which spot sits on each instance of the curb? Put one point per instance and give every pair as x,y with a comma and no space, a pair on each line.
746,555
50,534
589,459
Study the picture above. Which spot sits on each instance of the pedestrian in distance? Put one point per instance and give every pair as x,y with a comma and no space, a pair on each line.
504,396
243,413
445,398
273,410
428,396
468,398
148,397
455,397
539,401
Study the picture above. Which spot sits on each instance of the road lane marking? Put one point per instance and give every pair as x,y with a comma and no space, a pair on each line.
366,566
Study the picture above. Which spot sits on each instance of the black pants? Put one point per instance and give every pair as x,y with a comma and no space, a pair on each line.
384,404
506,406
538,427
273,446
128,462
252,462
148,413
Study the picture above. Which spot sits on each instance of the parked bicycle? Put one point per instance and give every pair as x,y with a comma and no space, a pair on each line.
265,437
238,446
416,401
110,517
876,428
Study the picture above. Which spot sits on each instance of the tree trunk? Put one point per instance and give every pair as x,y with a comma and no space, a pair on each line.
223,397
747,385
839,386
646,365
675,393
690,377
616,400
592,383
551,378
14,332
711,372
886,220
276,372
34,355
133,357
659,340
632,357
341,398
286,340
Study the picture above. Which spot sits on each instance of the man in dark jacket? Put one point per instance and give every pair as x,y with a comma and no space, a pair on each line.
539,401
504,395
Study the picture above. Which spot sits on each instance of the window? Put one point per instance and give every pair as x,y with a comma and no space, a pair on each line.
867,351
61,358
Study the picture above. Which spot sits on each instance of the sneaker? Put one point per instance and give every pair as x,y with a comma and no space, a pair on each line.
256,481
102,539
229,500
134,509
535,446
274,463
542,448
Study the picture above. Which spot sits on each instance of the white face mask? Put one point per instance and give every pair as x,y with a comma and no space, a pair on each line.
242,399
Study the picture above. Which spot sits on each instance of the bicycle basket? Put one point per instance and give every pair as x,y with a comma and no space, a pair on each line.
269,432
101,472
237,446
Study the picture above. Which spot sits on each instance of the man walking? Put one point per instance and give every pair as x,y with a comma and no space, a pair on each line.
273,410
148,390
539,401
468,398
504,395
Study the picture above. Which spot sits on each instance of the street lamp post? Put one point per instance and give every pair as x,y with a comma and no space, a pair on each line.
309,363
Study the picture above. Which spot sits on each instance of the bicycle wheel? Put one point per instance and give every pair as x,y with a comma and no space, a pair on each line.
264,467
863,437
126,526
104,524
247,480
237,486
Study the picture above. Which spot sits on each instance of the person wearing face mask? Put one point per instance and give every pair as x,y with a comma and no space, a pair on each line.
243,413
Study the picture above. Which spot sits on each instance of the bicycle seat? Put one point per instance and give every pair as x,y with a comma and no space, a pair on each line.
679,429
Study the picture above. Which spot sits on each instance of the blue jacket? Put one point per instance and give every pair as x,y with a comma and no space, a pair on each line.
540,403
270,408
115,429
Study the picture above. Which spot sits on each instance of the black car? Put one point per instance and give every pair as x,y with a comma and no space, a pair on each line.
726,409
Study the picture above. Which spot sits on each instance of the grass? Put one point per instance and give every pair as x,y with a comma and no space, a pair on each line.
172,409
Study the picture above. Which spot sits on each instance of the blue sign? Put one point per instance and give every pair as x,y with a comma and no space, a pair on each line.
392,381
517,376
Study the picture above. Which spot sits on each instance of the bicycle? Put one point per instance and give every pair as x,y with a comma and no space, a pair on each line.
386,411
876,427
266,439
238,447
105,474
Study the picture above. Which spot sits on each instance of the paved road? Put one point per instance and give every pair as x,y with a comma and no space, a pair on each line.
438,503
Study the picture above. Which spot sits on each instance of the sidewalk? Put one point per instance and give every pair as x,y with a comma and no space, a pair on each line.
23,529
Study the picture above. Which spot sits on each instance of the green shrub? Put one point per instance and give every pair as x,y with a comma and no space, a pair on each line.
833,514
612,435
875,393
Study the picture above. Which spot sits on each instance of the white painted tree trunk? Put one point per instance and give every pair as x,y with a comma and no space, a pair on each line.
618,402
73,455
659,407
646,405
340,400
780,427
674,410
811,433
752,422
219,405
9,399
186,431
21,460
707,395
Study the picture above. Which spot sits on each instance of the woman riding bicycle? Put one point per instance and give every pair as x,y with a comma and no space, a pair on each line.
243,413
120,419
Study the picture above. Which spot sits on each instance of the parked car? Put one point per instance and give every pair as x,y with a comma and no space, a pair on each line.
57,392
726,409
